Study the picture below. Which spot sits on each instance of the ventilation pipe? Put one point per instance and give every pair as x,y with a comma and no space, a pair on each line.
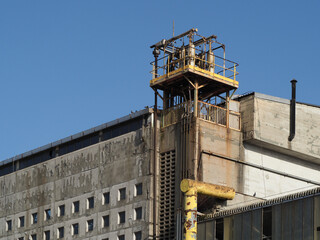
293,111
191,188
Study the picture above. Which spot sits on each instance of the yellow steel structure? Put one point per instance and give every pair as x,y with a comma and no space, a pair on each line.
191,188
229,80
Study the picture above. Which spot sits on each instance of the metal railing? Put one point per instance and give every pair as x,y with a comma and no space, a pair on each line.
176,113
213,64
206,111
218,115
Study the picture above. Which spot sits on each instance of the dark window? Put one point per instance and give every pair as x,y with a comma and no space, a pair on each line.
219,229
9,225
106,198
34,218
90,203
76,206
21,221
138,212
122,193
138,189
105,221
121,237
105,238
75,229
138,235
267,223
60,232
47,235
47,214
61,210
122,217
34,236
21,238
90,225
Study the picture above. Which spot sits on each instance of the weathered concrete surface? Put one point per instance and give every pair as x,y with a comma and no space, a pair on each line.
105,167
266,123
262,142
222,141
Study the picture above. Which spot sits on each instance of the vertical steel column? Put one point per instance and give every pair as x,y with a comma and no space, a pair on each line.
191,188
196,133
155,117
190,214
196,99
228,109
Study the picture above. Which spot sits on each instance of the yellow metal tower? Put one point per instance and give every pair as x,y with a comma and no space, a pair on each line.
191,74
194,80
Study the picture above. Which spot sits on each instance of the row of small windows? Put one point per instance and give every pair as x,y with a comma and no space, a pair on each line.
76,207
90,224
75,231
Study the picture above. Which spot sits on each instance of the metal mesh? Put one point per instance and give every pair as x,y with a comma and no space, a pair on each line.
167,195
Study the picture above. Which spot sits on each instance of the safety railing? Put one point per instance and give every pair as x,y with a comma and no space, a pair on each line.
175,114
213,113
218,115
208,62
206,111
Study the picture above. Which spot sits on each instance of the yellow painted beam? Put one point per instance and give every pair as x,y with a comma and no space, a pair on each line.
191,189
190,211
232,81
209,189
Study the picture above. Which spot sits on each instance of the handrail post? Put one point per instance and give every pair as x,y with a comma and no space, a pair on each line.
228,109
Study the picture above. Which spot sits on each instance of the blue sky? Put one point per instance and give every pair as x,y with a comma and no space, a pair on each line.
66,66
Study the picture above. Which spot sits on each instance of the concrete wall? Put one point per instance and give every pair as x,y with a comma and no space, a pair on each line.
105,167
259,162
266,122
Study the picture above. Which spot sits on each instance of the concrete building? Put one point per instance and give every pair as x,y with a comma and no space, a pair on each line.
92,185
121,180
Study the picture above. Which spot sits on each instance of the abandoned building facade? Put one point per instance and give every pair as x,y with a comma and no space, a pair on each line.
121,180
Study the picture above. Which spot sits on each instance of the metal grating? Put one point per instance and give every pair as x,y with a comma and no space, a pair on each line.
167,195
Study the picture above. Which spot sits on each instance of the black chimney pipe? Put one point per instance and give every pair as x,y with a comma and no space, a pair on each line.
293,111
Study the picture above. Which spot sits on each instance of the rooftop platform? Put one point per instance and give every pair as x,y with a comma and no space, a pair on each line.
188,58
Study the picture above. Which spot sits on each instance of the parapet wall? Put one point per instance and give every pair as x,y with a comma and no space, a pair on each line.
266,122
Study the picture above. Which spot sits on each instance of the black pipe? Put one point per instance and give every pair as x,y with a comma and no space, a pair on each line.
293,111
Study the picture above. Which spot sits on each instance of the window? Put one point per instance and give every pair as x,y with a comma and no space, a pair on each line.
267,223
60,232
61,210
138,190
89,225
75,229
75,207
90,202
105,221
106,198
219,228
122,217
34,236
138,213
46,235
21,238
47,214
9,225
21,221
138,235
34,218
122,194
121,237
